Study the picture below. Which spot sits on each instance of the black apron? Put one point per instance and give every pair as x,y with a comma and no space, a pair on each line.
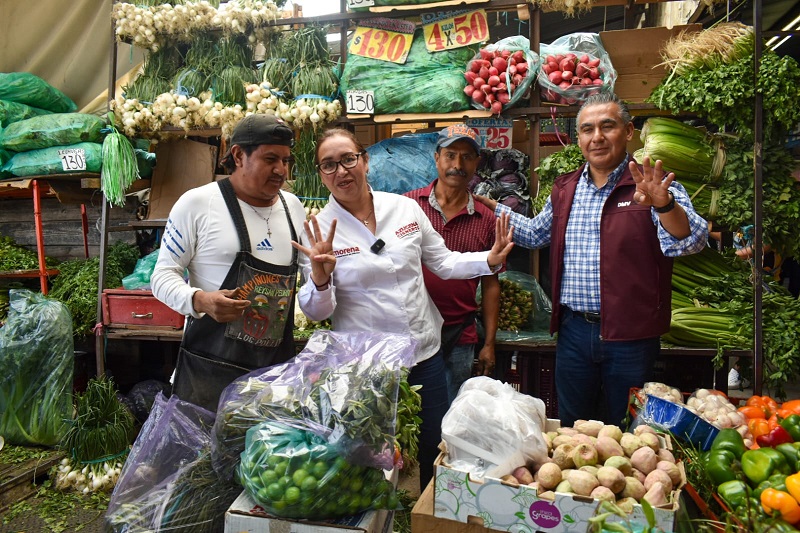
213,354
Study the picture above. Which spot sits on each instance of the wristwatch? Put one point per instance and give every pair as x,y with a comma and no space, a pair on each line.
666,208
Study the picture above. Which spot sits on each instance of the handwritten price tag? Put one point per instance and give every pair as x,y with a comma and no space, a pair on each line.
493,133
360,102
382,44
352,4
456,31
72,159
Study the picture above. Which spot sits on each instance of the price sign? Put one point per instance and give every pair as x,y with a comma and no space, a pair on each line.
360,102
354,4
459,30
72,159
493,133
380,43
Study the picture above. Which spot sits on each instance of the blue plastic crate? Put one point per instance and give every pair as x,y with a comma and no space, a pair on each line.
680,421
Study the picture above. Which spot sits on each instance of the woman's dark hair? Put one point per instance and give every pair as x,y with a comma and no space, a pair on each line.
337,132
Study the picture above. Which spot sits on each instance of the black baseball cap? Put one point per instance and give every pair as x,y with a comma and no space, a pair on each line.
259,128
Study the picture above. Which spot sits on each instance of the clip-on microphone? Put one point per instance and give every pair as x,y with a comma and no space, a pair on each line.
377,246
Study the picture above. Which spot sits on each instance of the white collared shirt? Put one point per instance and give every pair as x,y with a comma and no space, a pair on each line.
385,291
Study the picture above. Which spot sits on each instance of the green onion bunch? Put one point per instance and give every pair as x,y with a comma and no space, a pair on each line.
233,70
307,184
119,169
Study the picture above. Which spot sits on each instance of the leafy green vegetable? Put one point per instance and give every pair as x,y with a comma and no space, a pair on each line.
15,257
76,285
36,366
725,95
567,160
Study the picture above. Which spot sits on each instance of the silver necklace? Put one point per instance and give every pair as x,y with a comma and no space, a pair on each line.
269,231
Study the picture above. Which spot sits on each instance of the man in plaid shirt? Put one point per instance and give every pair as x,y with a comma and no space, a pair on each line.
613,228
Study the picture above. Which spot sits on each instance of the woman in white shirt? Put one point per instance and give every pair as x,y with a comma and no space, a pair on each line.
367,276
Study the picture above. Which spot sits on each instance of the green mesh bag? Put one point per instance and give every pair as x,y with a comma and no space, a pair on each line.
58,129
425,83
48,160
14,112
26,88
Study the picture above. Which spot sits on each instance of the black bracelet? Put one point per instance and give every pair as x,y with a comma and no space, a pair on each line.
324,286
666,208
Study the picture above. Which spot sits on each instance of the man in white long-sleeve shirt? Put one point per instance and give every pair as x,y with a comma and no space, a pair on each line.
234,238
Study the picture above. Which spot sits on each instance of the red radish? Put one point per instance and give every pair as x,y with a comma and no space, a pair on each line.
479,82
500,64
516,79
594,62
522,68
493,80
484,73
486,88
505,54
478,97
545,68
564,85
567,64
597,81
594,73
490,98
486,54
581,70
550,59
497,107
559,58
512,87
567,75
493,71
503,98
501,87
512,69
470,76
555,77
519,55
468,90
584,58
576,81
586,81
571,56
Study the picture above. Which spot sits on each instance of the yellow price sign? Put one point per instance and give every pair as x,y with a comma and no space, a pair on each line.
460,30
381,44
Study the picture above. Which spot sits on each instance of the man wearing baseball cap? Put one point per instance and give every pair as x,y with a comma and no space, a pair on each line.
233,237
466,226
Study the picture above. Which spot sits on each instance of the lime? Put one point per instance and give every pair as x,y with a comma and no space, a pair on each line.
273,460
279,505
281,467
268,477
275,491
286,481
309,484
263,495
298,476
355,484
292,495
319,469
392,502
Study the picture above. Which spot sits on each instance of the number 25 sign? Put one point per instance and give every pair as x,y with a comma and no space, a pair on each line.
461,29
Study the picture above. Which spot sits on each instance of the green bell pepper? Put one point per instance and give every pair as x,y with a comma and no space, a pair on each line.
758,465
792,426
775,481
734,493
792,453
720,466
729,439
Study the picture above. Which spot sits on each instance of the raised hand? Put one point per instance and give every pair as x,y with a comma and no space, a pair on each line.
503,241
320,251
652,187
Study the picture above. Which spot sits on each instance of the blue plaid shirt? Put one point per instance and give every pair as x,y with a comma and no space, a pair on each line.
580,284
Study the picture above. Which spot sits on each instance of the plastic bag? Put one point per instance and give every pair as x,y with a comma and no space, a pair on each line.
11,112
570,52
167,482
502,175
319,483
26,88
143,395
57,129
426,83
418,168
341,386
36,370
140,278
48,161
490,428
525,309
514,85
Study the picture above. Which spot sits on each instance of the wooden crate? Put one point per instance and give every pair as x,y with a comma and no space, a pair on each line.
137,308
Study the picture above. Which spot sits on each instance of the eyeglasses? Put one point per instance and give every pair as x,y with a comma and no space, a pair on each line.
347,161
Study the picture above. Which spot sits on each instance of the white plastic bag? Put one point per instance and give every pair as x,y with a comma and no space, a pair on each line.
490,429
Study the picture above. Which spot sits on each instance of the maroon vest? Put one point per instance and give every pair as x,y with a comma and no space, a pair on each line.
635,276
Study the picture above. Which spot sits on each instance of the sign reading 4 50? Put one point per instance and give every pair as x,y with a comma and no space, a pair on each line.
455,29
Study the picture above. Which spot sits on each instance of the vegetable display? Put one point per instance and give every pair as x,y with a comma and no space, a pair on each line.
574,67
119,167
15,257
569,159
500,74
516,305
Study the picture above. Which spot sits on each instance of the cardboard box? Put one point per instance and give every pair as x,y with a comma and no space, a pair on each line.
423,520
180,165
463,498
246,516
636,56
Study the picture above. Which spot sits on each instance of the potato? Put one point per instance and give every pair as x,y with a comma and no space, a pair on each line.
644,460
549,476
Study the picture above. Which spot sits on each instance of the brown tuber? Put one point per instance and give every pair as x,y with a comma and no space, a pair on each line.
611,431
644,460
623,464
523,475
549,476
630,443
603,494
658,476
665,455
607,447
672,471
633,489
562,456
611,478
583,483
650,440
588,427
627,504
584,455
656,495
510,480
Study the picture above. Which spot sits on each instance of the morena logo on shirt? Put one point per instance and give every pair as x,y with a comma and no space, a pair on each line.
408,229
347,251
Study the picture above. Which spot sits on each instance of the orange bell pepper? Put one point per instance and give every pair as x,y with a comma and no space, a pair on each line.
758,427
783,413
776,500
793,485
764,402
752,411
792,405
